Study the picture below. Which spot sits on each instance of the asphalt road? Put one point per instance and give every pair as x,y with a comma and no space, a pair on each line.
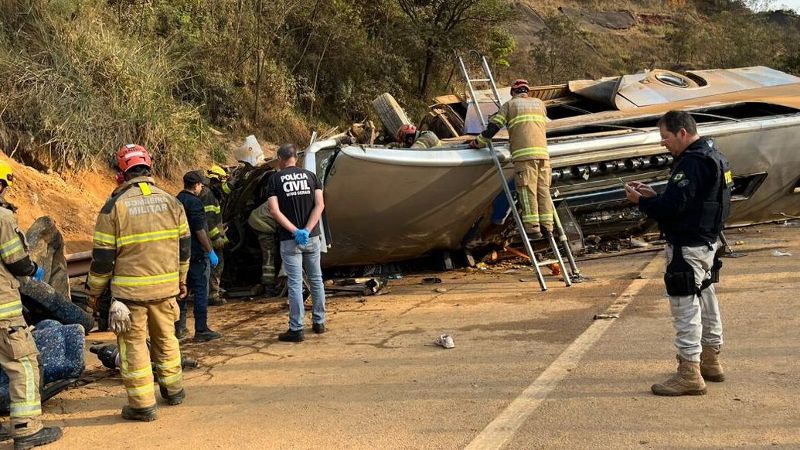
529,370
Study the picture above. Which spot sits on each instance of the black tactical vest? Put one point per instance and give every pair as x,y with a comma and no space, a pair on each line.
705,219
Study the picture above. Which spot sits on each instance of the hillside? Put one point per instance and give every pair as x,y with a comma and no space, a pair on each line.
190,78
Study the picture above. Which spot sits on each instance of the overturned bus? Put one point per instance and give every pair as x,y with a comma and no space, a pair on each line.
389,204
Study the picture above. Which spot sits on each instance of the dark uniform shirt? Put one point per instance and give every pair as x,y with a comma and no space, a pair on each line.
681,204
295,189
196,218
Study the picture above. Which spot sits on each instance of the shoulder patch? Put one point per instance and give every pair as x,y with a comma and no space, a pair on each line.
678,177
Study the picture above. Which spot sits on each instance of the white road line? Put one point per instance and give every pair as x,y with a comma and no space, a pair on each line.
503,427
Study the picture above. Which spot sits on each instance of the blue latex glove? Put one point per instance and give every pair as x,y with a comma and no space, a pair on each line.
301,237
39,274
212,256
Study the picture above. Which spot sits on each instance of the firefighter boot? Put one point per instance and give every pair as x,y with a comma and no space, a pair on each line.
5,434
142,414
710,367
687,381
172,400
44,436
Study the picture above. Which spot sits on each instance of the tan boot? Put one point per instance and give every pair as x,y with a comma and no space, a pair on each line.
687,381
710,367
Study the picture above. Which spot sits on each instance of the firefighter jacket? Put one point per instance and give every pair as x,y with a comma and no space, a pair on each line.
213,214
693,208
16,263
526,119
261,220
426,139
141,244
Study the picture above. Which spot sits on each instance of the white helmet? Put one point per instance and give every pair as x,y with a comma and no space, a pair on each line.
249,152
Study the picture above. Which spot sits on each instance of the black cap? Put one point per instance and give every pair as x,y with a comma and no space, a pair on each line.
193,177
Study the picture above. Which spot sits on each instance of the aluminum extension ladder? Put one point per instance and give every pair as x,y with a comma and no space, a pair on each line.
575,273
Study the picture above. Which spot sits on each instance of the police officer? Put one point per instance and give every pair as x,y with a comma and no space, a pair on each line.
690,213
142,248
525,117
18,355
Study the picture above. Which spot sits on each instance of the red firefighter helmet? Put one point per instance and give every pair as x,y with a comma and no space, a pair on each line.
132,155
404,131
520,86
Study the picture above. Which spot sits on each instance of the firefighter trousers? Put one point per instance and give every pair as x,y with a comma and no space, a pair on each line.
268,245
214,278
533,189
20,361
155,319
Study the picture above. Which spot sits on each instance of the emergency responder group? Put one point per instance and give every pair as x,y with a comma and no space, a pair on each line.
151,250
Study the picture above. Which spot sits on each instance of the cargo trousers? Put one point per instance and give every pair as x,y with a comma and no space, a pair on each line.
19,359
155,319
532,178
696,318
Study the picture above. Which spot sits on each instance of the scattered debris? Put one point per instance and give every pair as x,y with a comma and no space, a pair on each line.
431,280
440,290
605,316
445,341
780,253
358,286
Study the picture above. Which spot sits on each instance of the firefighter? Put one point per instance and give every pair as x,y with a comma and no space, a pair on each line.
18,355
142,249
216,229
249,155
525,118
409,137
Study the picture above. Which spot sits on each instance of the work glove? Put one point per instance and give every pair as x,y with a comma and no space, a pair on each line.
474,144
39,274
212,256
183,291
119,317
301,237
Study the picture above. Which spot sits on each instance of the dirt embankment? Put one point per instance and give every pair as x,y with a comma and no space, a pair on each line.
72,200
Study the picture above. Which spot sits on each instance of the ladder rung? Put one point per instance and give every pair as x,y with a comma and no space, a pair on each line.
480,80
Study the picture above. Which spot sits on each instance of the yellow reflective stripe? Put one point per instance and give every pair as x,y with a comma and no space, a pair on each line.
529,151
170,380
140,390
144,372
104,238
26,409
151,236
145,188
145,280
10,309
212,208
183,228
226,188
11,247
30,383
538,118
728,177
482,140
171,364
214,232
97,281
530,218
498,119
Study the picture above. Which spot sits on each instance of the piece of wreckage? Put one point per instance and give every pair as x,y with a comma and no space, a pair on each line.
59,324
385,205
